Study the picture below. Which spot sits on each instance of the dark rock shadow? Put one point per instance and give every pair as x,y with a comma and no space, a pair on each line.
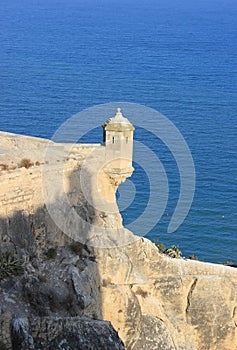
61,277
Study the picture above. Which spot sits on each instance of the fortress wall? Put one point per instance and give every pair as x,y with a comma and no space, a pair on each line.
56,169
23,211
18,188
22,202
21,188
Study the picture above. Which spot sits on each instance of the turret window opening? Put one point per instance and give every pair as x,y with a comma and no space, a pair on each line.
126,139
113,139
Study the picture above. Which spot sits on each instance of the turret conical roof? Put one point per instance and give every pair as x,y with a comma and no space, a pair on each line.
118,122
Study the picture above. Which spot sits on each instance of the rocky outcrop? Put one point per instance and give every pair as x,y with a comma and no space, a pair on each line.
55,304
165,303
63,333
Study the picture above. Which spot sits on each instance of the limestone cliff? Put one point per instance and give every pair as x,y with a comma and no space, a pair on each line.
68,287
164,303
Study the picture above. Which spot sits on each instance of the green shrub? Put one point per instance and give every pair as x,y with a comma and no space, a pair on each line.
141,292
95,316
25,163
10,265
51,253
78,247
106,282
42,278
4,166
161,247
228,263
173,252
193,257
3,346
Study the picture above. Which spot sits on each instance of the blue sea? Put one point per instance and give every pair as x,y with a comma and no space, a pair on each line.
58,57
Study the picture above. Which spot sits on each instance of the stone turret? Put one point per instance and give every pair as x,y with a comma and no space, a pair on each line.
118,142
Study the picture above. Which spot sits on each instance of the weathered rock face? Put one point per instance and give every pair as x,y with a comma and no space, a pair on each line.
164,303
64,283
55,304
63,333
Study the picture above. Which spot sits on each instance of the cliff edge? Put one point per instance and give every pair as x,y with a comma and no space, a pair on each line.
80,290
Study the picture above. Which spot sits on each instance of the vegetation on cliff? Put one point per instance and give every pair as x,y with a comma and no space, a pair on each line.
10,265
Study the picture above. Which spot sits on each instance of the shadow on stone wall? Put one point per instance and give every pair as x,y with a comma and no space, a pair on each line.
60,277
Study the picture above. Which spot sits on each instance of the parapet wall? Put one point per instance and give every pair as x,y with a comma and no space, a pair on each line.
54,171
